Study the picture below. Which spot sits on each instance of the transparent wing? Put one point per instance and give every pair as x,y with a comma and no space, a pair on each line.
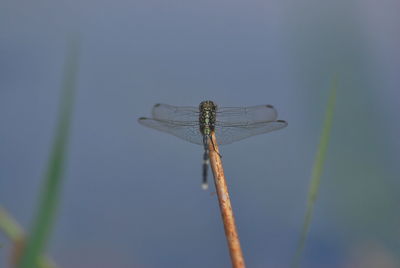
175,113
229,134
245,115
188,131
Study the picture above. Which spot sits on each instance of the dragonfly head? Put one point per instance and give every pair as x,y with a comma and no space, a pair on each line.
207,105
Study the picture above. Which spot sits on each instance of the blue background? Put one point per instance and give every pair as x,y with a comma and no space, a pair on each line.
131,195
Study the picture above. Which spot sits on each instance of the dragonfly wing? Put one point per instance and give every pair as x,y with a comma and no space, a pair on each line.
186,130
230,133
167,112
246,115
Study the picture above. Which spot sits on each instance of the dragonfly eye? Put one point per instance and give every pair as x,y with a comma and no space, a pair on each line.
207,105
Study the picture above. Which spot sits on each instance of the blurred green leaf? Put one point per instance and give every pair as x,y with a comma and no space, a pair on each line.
15,233
316,173
9,226
49,197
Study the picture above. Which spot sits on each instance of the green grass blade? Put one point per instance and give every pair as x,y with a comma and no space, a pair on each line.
49,197
9,226
14,232
316,173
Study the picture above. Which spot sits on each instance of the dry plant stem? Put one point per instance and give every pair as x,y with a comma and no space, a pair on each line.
231,233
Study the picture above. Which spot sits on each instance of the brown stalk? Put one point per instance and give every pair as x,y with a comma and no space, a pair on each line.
224,200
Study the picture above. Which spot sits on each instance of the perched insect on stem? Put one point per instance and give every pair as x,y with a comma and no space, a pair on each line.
230,124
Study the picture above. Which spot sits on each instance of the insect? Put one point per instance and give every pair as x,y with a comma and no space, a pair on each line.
196,124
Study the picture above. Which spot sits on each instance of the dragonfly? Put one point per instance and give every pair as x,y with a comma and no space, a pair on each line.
196,124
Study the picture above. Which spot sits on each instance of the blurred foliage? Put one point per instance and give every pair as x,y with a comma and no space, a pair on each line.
15,233
40,232
316,173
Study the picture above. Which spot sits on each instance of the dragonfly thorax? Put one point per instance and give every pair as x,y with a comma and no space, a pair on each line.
207,116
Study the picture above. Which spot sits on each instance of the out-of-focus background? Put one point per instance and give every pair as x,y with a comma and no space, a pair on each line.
131,195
